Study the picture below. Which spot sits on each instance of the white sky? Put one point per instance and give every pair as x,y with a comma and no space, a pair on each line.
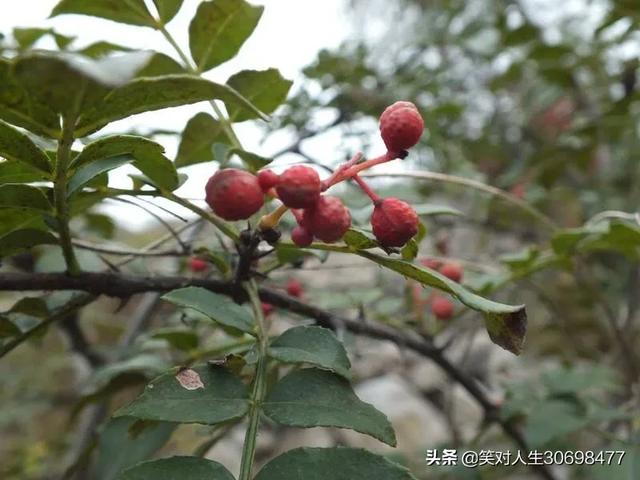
288,38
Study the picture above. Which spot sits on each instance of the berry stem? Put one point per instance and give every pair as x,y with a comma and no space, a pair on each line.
353,169
272,219
366,189
335,176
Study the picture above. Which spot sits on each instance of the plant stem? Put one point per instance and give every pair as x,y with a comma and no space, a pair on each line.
226,125
60,193
259,384
366,189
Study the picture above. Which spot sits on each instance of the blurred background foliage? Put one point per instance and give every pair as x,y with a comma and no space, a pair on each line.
538,98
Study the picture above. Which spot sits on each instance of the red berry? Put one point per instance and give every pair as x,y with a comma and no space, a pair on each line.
299,187
268,179
401,126
267,309
394,222
295,288
328,219
234,194
442,308
396,106
301,237
431,263
197,264
452,271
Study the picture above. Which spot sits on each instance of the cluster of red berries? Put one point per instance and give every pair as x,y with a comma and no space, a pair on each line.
236,194
441,307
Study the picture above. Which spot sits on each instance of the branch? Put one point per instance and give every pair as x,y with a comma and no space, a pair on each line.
120,285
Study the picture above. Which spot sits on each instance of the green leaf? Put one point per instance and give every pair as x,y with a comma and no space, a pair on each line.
218,308
62,41
317,398
266,89
359,240
32,306
133,12
121,445
160,64
334,464
17,219
219,29
18,172
66,81
19,240
147,94
253,161
15,145
180,338
147,155
146,365
410,251
18,108
506,324
102,48
167,9
93,169
552,419
218,397
8,328
23,196
26,37
315,345
198,137
172,468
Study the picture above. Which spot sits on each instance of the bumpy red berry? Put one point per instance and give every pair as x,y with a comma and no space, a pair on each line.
295,288
267,309
452,271
234,194
268,179
301,237
394,222
197,264
299,187
401,126
442,308
328,219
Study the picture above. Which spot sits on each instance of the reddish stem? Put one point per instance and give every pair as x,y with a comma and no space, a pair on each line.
367,189
355,169
336,177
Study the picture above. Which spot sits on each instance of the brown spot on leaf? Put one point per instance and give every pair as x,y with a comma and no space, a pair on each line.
189,379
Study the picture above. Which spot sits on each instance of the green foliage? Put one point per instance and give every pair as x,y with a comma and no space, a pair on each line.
169,468
147,94
217,307
216,396
536,126
339,463
198,137
266,89
314,345
17,146
124,442
312,397
133,12
219,29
